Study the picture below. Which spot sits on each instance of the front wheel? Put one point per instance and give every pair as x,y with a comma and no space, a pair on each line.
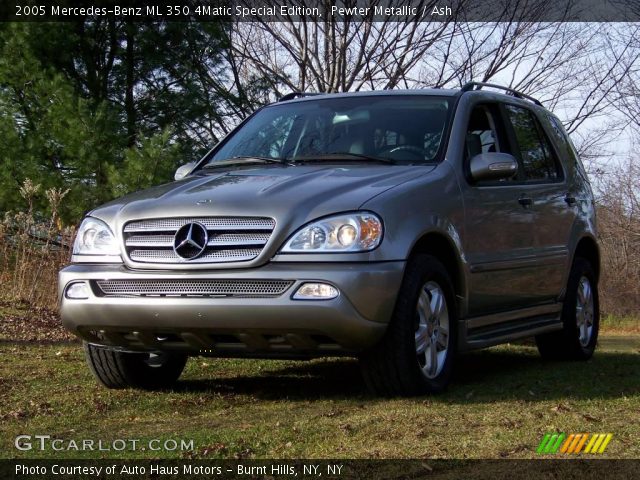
148,371
416,354
580,317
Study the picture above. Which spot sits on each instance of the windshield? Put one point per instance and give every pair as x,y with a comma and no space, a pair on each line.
402,129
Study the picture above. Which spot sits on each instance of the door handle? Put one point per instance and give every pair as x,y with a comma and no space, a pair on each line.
525,201
571,201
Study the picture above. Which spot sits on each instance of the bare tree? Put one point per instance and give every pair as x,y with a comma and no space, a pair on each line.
583,72
337,54
619,225
629,90
571,66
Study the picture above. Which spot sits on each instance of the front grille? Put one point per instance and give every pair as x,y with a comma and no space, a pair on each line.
231,239
192,288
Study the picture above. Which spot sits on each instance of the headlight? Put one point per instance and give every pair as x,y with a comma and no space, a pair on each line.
95,238
356,232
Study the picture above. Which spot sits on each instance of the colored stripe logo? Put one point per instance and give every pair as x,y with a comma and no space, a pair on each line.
574,443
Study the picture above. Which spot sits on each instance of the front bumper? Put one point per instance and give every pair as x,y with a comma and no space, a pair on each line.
238,326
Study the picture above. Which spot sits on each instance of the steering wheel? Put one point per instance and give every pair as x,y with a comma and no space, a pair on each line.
420,153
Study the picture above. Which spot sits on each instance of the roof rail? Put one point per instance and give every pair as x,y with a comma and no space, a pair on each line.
467,87
292,95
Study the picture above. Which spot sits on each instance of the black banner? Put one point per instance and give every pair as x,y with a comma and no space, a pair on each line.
325,10
328,469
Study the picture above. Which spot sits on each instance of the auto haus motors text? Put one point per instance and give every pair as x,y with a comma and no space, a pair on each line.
186,469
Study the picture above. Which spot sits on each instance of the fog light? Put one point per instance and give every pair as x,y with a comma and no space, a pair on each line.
316,291
78,291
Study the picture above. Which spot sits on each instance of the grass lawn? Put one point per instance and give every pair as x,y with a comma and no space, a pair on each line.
500,405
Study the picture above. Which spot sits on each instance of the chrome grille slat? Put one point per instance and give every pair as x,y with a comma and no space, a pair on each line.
231,239
223,239
149,241
214,256
211,223
236,288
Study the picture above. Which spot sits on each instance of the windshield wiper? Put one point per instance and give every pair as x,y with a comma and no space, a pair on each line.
247,159
343,156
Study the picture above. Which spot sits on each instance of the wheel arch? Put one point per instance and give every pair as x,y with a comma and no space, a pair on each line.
444,249
587,248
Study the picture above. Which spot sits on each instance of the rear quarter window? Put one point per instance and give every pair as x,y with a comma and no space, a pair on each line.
562,139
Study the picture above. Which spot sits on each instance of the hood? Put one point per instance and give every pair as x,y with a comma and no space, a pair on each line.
305,192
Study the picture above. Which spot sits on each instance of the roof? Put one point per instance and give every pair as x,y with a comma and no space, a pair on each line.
379,93
472,87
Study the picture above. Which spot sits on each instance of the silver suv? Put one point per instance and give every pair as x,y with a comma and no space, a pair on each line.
399,227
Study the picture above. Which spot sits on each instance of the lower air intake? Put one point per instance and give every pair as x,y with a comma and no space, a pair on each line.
193,288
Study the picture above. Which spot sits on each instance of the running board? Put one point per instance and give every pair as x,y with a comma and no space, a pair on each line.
506,327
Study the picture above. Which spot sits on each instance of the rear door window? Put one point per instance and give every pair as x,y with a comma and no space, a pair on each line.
533,147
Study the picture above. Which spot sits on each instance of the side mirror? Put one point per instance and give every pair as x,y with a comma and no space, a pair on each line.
493,166
184,170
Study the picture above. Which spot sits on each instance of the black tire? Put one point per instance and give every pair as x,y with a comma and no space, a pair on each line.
115,369
566,344
392,367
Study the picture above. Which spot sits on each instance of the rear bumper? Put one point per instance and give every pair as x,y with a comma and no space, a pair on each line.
278,326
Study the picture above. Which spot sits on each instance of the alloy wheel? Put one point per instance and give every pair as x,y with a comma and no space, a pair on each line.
584,311
432,331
